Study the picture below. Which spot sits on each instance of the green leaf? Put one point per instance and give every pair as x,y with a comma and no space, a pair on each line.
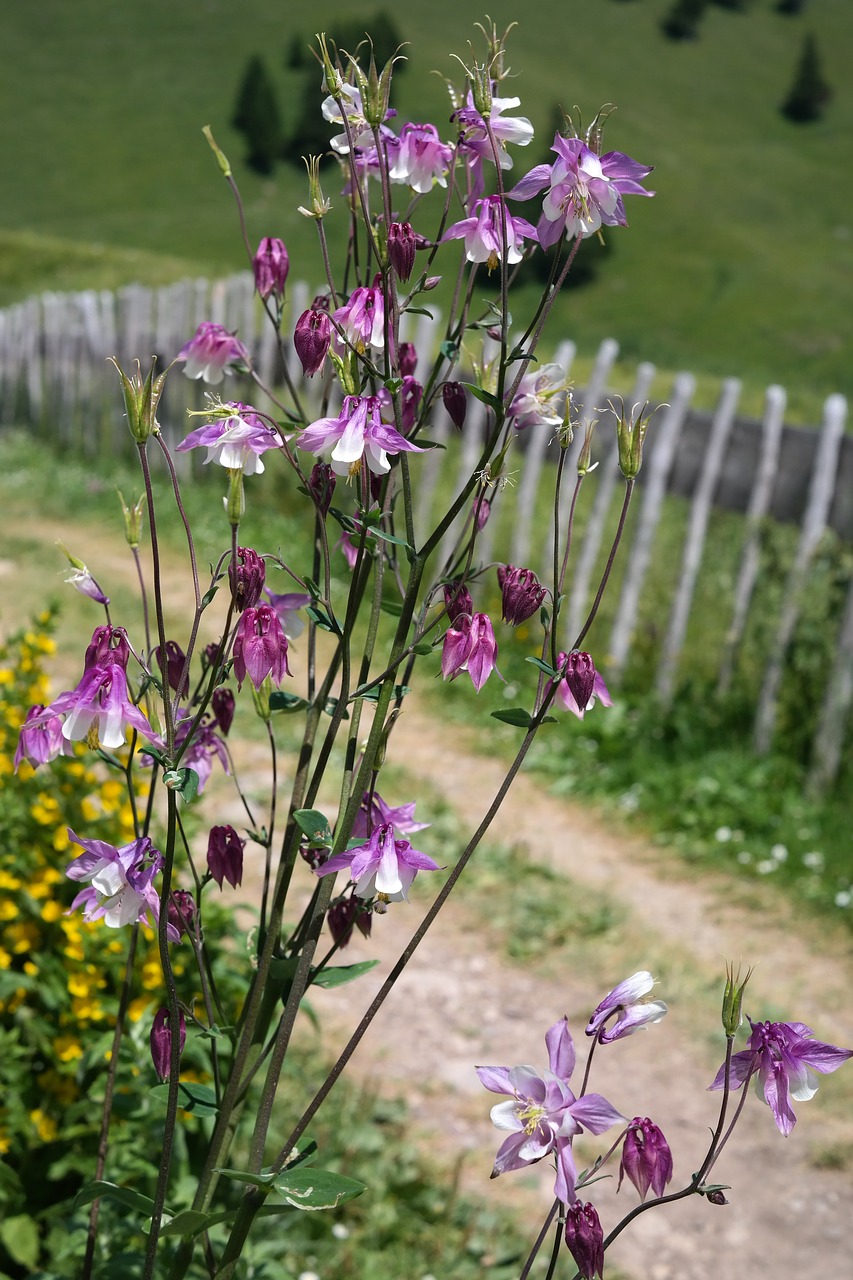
485,396
281,701
393,607
422,649
372,695
448,349
314,1189
341,974
322,619
20,1238
390,537
514,715
419,311
207,598
543,666
112,1191
196,1098
188,1223
240,1175
315,825
392,385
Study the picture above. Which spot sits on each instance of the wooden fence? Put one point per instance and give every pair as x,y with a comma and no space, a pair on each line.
54,379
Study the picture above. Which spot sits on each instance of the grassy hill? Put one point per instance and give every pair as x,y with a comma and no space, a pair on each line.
742,264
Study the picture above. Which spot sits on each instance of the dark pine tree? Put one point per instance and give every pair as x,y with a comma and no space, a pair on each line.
809,93
790,8
682,20
256,116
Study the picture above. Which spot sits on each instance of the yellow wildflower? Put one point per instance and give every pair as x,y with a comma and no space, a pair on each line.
46,1126
68,1048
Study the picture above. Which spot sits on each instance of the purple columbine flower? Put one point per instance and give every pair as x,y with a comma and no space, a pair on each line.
362,318
321,485
212,352
160,1041
175,663
225,855
271,264
260,647
121,889
182,911
312,338
407,360
421,159
585,1239
99,710
358,431
108,645
455,402
484,241
544,1116
374,812
410,397
247,577
40,740
345,914
470,645
584,190
85,582
783,1057
383,867
633,1012
646,1158
287,606
457,601
474,142
626,1002
360,131
581,684
236,442
539,400
206,745
401,248
222,705
521,593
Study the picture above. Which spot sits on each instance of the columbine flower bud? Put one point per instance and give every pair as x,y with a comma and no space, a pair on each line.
407,360
181,910
81,579
646,1158
141,399
481,510
247,578
132,519
175,660
630,435
401,248
455,402
319,205
260,647
311,339
343,916
222,706
580,676
522,594
585,1239
321,485
161,1041
457,601
584,463
225,856
271,265
733,999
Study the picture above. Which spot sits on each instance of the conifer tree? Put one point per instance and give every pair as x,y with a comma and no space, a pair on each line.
256,116
809,93
682,20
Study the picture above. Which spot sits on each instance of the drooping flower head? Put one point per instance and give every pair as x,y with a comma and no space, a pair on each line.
175,662
484,237
544,1116
521,593
270,265
540,399
212,352
646,1157
260,647
362,318
160,1041
421,158
783,1057
358,431
312,338
99,710
474,142
470,645
225,855
40,740
205,747
631,1009
581,684
384,867
585,1239
235,442
247,574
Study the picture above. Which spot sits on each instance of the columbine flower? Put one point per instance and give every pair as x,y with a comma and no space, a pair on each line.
321,485
374,812
182,911
544,1115
410,396
236,442
421,158
455,402
521,593
357,432
343,915
646,1158
585,1239
457,601
271,264
626,1000
312,338
175,662
539,399
82,579
474,139
206,745
260,647
212,353
362,318
247,574
401,248
160,1041
783,1058
470,645
353,109
581,684
121,889
484,241
108,645
40,740
287,606
222,706
225,855
384,867
584,190
98,710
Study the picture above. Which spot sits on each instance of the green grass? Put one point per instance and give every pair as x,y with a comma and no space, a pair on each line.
737,267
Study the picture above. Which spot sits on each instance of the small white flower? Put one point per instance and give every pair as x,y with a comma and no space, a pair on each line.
723,835
744,857
779,853
813,860
766,866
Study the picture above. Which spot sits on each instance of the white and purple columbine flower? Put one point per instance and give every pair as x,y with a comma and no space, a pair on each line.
375,812
40,740
540,398
421,158
353,109
632,1010
581,684
260,647
584,191
121,889
236,442
470,645
544,1116
474,142
384,867
288,606
362,318
358,431
483,236
212,352
783,1057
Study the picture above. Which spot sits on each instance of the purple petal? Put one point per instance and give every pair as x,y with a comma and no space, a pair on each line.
496,1079
595,1112
531,184
561,1049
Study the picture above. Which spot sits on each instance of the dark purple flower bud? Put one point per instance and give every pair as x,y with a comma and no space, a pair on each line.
107,647
271,265
580,677
431,282
175,660
312,338
401,248
453,395
321,485
716,1197
585,1239
161,1041
225,855
247,576
522,593
222,706
181,910
646,1158
481,511
346,914
457,601
209,654
407,360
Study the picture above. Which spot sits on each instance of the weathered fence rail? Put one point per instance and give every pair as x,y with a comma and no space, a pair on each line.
54,379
